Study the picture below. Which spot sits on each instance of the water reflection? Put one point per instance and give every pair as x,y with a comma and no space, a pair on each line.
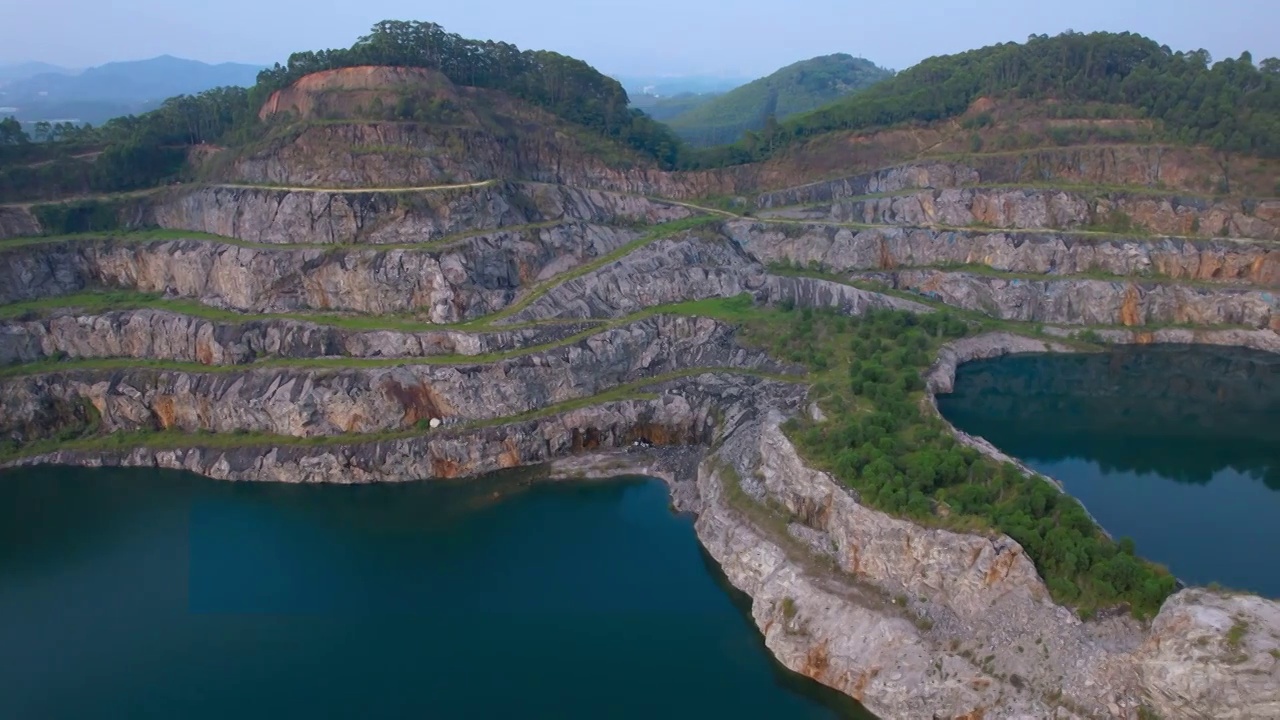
1175,446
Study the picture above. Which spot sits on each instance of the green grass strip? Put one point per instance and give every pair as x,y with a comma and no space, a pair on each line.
736,309
101,301
158,235
1093,235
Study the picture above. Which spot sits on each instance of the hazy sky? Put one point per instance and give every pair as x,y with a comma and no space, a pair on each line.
729,37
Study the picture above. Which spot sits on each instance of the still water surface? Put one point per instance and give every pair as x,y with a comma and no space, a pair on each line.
1177,447
152,594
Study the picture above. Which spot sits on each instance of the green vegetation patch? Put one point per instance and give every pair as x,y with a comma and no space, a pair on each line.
902,460
1230,105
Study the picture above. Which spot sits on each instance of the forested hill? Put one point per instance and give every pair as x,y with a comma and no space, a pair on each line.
563,85
1231,105
149,149
797,88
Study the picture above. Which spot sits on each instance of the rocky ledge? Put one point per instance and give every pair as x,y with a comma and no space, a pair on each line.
1089,301
479,275
268,215
302,401
163,335
844,249
1033,208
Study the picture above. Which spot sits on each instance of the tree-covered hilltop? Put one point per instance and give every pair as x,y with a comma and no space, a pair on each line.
565,86
1231,105
147,150
794,89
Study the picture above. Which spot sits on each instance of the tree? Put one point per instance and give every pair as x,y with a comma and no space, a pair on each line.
11,133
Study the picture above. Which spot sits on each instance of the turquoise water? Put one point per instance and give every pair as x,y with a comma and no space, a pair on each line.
1177,447
150,594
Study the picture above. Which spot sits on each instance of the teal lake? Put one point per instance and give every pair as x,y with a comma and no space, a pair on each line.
152,594
1177,447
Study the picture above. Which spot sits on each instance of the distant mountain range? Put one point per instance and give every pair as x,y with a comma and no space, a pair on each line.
716,118
22,71
36,91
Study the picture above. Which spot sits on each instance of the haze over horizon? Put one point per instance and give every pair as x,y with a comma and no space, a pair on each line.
745,38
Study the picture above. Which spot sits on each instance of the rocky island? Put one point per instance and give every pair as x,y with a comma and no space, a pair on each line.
394,269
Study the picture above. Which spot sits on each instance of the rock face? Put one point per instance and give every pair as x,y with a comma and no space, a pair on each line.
1043,209
267,215
311,402
689,266
671,419
1208,650
843,249
1267,340
17,222
1090,302
1175,169
882,629
339,92
370,154
163,335
475,277
889,180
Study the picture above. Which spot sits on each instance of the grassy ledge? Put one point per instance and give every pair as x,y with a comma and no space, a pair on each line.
734,310
90,439
537,291
158,235
1102,232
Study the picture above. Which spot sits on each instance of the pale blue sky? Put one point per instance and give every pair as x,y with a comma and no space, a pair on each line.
731,37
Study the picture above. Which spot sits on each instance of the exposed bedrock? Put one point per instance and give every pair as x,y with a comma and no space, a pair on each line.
1177,169
1079,301
288,216
690,267
686,267
477,276
917,622
1032,208
964,603
686,411
844,249
1267,339
924,174
164,335
311,401
369,154
16,221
